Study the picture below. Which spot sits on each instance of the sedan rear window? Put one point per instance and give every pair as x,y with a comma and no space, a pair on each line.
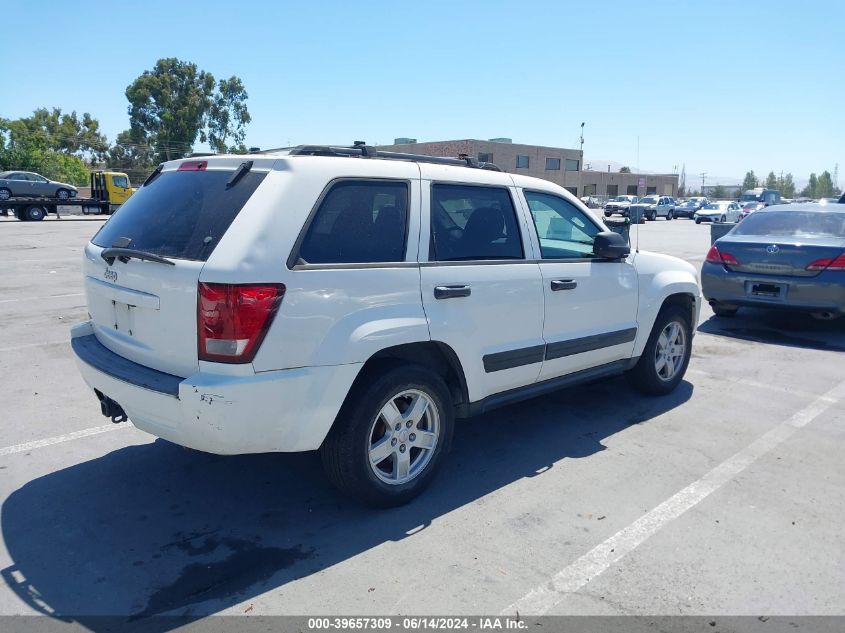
793,223
181,214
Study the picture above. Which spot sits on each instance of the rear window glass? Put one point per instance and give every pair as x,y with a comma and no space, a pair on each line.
181,214
793,223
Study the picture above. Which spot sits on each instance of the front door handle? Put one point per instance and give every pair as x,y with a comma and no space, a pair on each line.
450,292
563,284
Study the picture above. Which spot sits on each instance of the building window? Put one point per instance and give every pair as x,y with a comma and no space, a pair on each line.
612,191
589,190
521,161
572,190
572,164
484,157
553,163
632,190
650,190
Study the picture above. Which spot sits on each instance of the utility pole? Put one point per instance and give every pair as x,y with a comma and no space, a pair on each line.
702,175
581,165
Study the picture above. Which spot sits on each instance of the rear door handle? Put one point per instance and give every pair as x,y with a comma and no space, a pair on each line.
563,284
450,292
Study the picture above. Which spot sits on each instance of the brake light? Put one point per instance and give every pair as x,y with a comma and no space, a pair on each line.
716,257
233,319
828,263
193,165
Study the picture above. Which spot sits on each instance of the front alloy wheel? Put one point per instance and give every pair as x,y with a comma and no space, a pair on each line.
670,352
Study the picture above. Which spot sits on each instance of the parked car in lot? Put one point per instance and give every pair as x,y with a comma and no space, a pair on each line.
619,205
723,211
699,200
653,207
391,297
786,257
749,208
686,209
28,184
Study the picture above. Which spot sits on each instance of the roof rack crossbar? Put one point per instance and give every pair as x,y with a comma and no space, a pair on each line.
361,149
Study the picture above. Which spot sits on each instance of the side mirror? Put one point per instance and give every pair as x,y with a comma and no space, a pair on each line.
610,245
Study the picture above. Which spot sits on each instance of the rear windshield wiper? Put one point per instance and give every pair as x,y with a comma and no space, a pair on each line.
125,254
242,169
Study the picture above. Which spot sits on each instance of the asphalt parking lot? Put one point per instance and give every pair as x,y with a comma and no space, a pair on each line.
724,498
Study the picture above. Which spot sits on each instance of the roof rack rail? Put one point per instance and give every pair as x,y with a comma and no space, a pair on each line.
361,150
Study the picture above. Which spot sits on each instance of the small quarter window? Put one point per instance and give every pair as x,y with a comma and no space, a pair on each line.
359,222
469,223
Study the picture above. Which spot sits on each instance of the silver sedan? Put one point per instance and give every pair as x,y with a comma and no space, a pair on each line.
27,183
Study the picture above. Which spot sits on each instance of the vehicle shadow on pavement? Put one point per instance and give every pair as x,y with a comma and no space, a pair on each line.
155,528
791,329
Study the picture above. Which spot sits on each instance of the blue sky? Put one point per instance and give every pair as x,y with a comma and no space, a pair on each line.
721,87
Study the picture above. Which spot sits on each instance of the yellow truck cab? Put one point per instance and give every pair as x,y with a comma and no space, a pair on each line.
112,187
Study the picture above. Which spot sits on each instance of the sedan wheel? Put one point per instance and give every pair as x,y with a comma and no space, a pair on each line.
63,194
5,194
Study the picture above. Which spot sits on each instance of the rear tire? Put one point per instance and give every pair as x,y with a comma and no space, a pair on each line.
698,220
361,434
666,355
669,216
5,193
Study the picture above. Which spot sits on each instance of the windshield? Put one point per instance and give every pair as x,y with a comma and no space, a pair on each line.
713,206
648,200
793,224
180,214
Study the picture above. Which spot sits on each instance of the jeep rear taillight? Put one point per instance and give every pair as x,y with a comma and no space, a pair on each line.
232,320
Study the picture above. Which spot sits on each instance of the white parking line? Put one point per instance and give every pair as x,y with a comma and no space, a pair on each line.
71,294
756,384
96,430
570,579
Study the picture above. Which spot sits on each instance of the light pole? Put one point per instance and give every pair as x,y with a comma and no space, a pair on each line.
581,163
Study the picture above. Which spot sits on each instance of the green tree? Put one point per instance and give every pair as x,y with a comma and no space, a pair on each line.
132,155
750,181
786,186
175,103
625,170
810,190
771,181
824,186
718,193
53,130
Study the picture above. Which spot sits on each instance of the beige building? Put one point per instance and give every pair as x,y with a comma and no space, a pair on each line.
557,164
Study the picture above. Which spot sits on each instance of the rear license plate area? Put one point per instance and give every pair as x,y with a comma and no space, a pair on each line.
766,290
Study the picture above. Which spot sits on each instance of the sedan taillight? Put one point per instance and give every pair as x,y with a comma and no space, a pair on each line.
828,263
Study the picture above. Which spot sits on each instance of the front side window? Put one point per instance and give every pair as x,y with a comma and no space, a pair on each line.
359,222
120,181
553,164
565,232
473,223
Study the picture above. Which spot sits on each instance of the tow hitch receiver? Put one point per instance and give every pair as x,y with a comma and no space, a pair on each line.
110,408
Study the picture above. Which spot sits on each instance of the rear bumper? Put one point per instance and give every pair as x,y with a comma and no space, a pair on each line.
824,292
276,411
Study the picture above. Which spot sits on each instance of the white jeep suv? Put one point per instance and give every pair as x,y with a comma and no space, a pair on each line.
357,302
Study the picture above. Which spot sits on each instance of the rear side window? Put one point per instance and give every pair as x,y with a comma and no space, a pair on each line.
359,222
470,223
181,214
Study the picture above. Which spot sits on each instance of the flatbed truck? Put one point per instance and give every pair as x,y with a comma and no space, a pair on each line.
109,189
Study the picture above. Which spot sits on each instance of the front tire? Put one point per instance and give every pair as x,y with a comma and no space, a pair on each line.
63,194
698,220
390,437
666,356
